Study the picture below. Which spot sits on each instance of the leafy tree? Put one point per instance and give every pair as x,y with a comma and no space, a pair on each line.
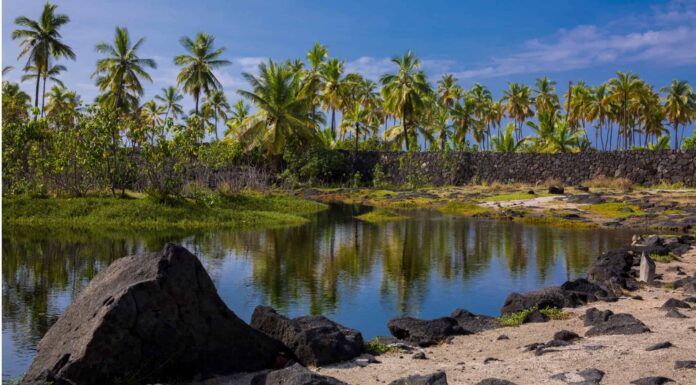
197,75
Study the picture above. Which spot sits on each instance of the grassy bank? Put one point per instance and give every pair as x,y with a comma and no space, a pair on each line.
381,216
245,210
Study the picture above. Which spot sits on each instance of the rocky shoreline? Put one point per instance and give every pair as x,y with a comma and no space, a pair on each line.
157,318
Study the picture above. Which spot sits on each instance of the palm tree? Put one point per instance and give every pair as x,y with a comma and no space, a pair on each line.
312,81
197,75
599,109
506,142
545,97
483,102
680,106
448,91
238,113
356,120
661,144
15,102
518,104
62,106
464,120
170,99
41,40
623,88
333,87
6,70
151,113
118,74
554,134
50,74
405,93
283,111
217,102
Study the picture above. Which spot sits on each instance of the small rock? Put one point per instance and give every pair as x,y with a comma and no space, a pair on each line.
296,375
674,313
685,365
618,324
437,378
490,359
494,381
690,299
556,190
503,337
419,356
637,297
559,377
565,335
652,381
533,346
425,332
535,317
593,316
675,303
557,343
591,375
658,346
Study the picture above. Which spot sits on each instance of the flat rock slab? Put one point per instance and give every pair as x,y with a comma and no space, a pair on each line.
685,365
658,346
425,332
495,381
315,340
292,375
437,378
474,323
652,381
156,313
618,324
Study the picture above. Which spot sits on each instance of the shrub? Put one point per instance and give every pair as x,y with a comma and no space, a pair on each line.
377,348
378,177
516,319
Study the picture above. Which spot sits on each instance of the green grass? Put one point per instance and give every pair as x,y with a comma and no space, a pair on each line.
381,216
614,210
512,197
466,209
516,319
673,212
554,221
662,258
245,210
376,348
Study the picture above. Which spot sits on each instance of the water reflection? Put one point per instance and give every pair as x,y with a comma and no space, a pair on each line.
358,273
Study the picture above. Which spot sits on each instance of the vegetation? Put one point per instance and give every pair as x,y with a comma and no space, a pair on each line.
511,197
119,141
381,216
375,347
205,211
466,209
516,319
662,258
614,209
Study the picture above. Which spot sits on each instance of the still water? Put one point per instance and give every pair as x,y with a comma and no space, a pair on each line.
359,274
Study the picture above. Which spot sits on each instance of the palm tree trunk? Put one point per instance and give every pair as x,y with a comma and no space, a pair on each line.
43,96
36,97
403,122
196,97
216,128
333,123
676,137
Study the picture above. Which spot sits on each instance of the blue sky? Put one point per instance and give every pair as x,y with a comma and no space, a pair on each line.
492,42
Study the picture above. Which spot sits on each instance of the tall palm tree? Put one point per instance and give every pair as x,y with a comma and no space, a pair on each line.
405,93
356,120
333,88
545,96
680,106
119,74
598,108
217,102
170,99
151,113
63,105
197,75
465,121
50,74
15,102
283,111
312,80
518,104
483,102
623,88
448,91
41,41
506,142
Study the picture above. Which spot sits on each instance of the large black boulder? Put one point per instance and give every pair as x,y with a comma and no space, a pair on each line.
156,314
474,323
545,298
611,270
425,332
622,323
584,290
594,316
315,340
295,374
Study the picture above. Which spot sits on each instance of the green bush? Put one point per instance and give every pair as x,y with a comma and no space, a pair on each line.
379,179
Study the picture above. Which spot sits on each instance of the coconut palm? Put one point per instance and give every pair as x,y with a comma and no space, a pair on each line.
283,111
63,106
661,144
518,104
680,106
545,97
506,141
405,93
312,82
170,99
50,74
554,134
356,120
119,74
238,112
333,88
448,91
41,41
599,109
465,121
218,105
152,114
196,75
483,102
6,70
623,88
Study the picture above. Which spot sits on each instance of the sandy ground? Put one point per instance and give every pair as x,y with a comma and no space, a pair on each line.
622,358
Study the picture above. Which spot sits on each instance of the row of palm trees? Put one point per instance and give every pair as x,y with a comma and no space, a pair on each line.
293,99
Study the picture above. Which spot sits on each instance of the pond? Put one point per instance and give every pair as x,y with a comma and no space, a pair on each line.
359,274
